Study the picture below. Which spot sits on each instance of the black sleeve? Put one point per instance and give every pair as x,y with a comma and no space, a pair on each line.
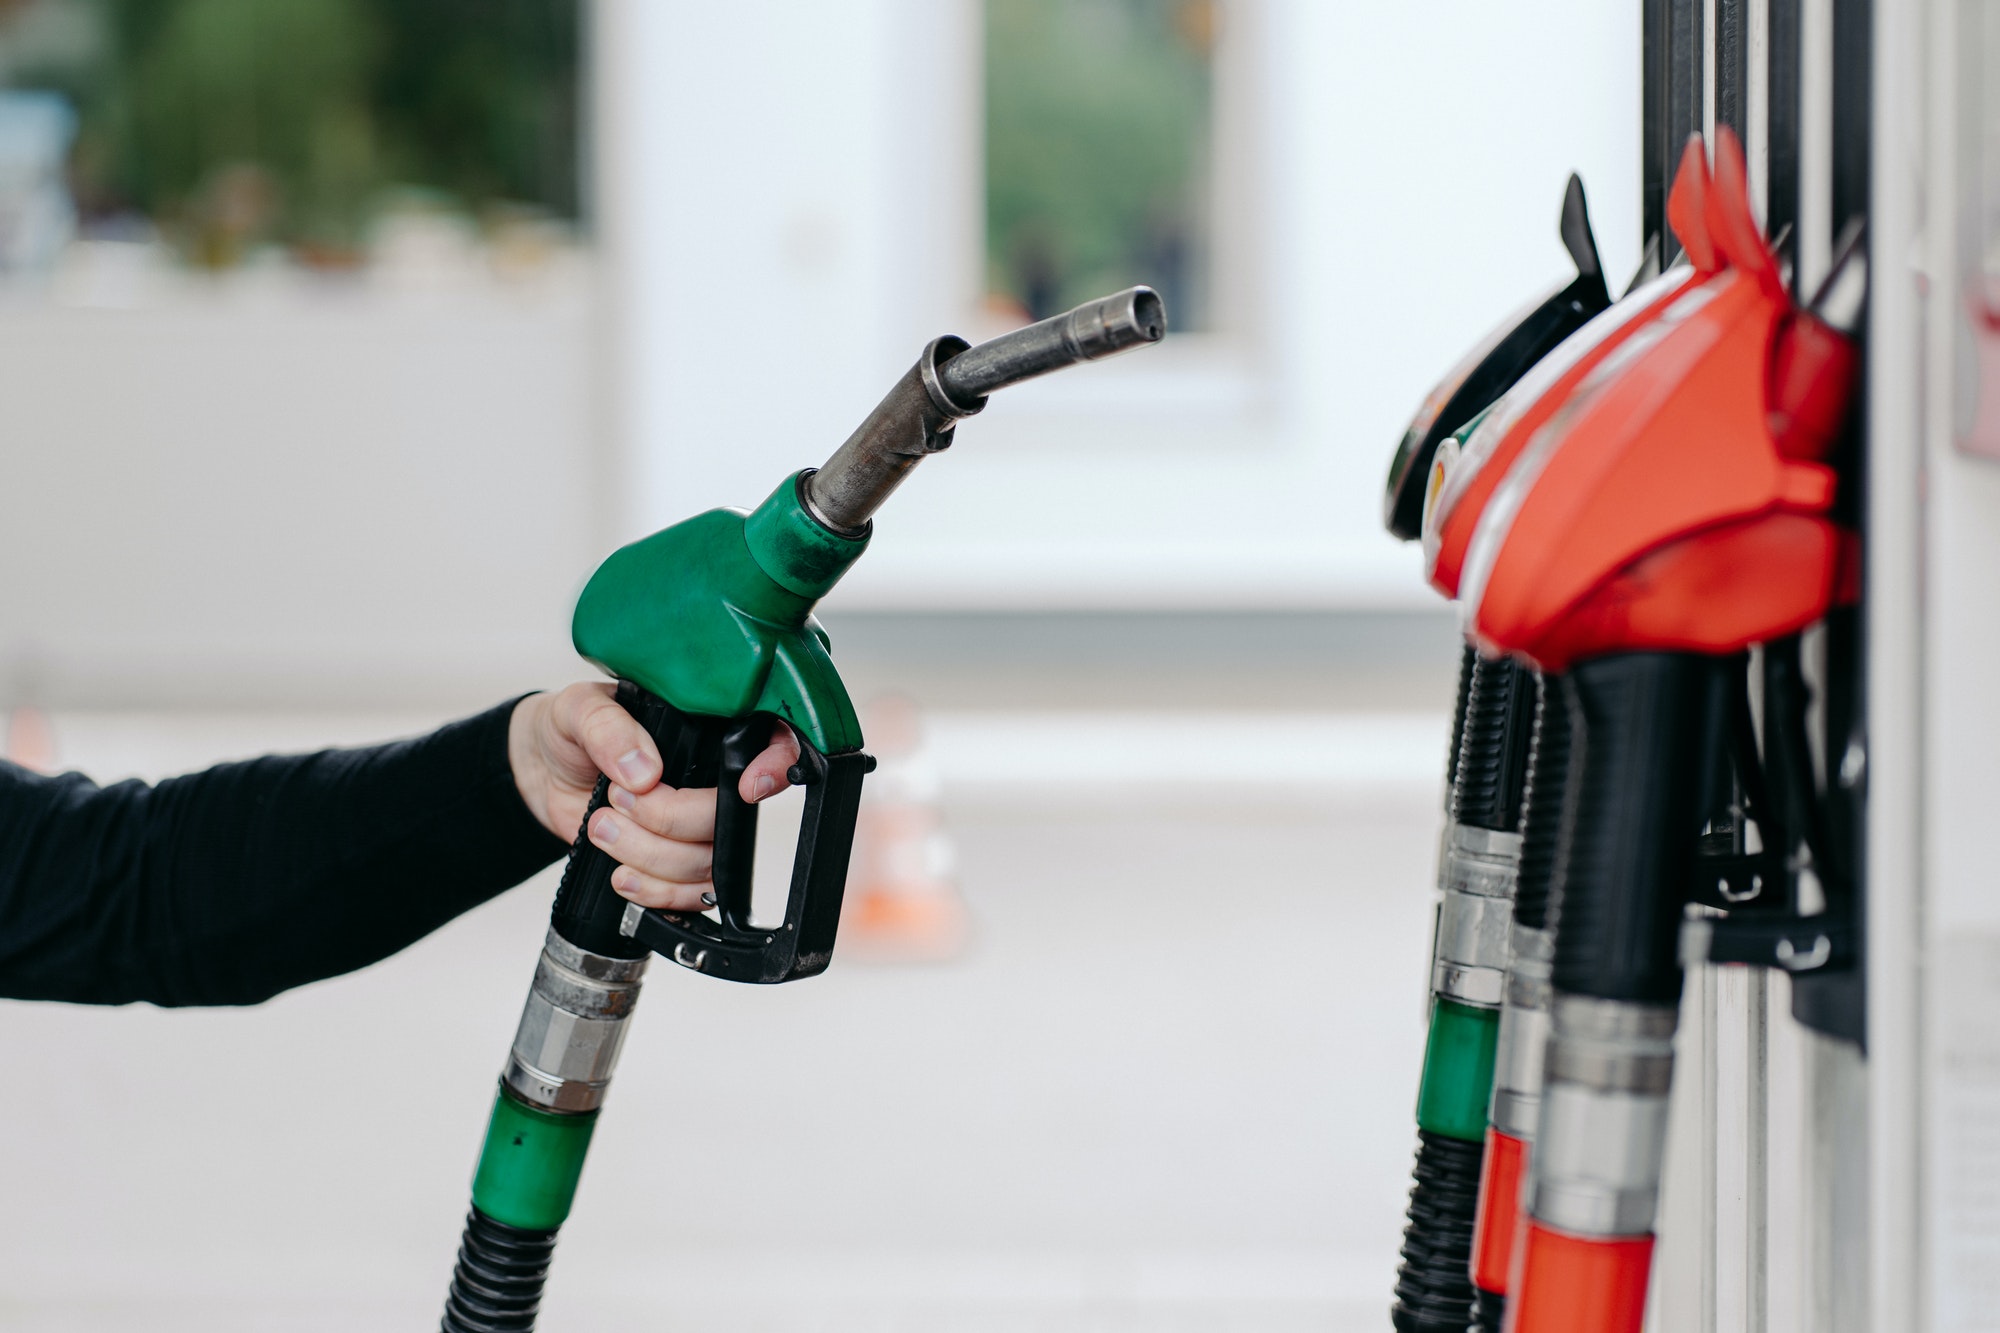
230,885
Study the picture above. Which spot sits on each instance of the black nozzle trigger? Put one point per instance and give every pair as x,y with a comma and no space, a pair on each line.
736,821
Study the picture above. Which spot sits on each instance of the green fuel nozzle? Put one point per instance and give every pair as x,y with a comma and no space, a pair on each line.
708,627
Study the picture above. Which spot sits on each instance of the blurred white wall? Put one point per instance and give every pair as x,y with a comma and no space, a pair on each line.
273,492
793,192
277,492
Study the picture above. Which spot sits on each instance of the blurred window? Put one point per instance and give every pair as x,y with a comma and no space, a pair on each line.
225,126
1098,131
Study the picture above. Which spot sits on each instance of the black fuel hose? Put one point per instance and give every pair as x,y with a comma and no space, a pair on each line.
1640,792
1468,661
1537,896
496,1286
1489,1311
1493,752
1434,1292
1434,1282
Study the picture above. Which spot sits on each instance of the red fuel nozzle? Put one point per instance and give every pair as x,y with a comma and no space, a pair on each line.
1464,481
1674,465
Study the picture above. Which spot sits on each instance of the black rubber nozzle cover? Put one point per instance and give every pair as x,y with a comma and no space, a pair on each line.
1647,725
1434,1281
1493,746
497,1284
1468,661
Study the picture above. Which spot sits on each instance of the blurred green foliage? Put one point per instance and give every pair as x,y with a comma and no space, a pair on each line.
231,123
1097,141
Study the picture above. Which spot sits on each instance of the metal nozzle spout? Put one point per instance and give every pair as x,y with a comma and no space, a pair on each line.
951,381
1099,328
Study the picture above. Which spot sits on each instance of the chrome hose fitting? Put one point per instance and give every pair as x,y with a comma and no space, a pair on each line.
572,1027
1476,918
1523,1040
1603,1133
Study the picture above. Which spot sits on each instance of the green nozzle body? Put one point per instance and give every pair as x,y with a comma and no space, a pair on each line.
714,615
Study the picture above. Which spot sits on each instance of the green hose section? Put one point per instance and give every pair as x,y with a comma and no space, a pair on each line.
529,1167
1458,1070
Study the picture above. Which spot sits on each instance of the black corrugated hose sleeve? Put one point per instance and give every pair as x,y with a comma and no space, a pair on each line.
1434,1283
497,1285
1542,805
1493,748
1489,1311
1468,662
1647,725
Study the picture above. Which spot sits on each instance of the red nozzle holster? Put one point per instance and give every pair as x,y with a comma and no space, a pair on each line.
1673,501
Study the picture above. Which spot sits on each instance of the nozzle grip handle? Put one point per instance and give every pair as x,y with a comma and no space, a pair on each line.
702,751
588,912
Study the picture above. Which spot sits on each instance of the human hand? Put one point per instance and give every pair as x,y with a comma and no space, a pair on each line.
662,837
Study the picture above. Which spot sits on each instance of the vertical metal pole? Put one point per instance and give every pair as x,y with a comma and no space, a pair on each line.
1879,67
1706,1003
1781,120
1756,1164
1815,200
1653,155
1671,106
1707,992
1757,106
1709,32
1730,58
1751,65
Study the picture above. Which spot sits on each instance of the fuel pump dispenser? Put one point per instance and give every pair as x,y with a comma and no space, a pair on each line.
708,628
1671,513
1480,846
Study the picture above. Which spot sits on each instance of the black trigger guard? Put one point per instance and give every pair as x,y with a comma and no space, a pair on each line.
801,945
735,863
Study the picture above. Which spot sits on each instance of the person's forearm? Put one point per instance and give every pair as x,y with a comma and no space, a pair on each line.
230,885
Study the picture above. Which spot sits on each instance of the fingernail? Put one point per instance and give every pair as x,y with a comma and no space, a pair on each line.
620,880
765,785
604,831
632,767
708,900
623,799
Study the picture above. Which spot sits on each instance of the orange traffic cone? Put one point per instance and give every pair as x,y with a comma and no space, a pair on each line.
31,740
901,903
